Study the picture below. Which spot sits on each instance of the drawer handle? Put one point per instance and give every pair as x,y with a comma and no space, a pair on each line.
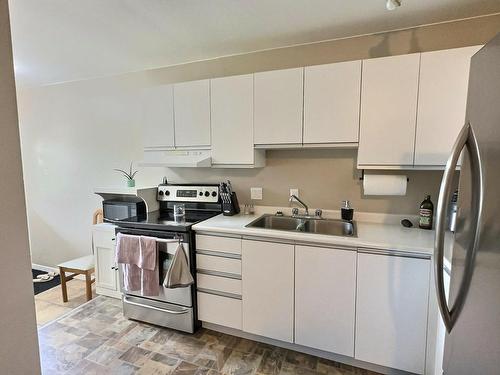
219,254
126,300
219,273
218,293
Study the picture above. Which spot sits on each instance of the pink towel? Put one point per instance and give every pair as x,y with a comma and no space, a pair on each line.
128,256
140,267
149,266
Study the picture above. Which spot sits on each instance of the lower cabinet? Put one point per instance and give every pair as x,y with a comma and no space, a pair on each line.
268,289
391,311
325,298
106,270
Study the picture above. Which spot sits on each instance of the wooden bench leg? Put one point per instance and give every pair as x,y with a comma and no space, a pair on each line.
62,275
88,284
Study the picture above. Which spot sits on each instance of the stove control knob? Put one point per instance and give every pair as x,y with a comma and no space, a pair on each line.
207,194
160,192
214,193
167,193
201,193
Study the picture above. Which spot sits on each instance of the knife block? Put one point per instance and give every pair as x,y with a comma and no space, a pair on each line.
230,205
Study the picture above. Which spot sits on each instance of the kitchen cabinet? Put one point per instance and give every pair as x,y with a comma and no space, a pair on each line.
388,111
325,298
391,311
444,78
278,101
331,103
232,122
106,269
158,117
192,114
268,289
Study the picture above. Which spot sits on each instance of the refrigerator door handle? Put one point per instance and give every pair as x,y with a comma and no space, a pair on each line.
465,139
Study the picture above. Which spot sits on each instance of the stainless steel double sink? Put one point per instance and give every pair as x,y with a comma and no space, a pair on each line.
331,227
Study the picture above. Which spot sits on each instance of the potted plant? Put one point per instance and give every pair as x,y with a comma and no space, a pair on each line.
129,176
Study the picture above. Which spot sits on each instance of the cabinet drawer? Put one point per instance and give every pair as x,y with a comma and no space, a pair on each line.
104,238
217,283
218,244
219,310
218,264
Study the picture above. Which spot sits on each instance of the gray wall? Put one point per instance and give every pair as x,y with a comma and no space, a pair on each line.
18,337
66,128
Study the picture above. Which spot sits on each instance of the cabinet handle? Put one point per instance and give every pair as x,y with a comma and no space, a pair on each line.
113,239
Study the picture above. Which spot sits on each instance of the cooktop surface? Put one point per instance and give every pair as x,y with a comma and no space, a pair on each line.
165,220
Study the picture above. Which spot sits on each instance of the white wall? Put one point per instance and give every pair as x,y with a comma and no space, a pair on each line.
18,338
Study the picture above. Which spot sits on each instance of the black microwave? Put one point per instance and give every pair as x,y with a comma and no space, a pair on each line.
121,209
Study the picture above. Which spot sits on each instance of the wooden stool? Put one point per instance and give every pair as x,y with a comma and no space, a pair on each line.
79,266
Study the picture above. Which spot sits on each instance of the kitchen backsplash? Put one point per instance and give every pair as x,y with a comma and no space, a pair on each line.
324,178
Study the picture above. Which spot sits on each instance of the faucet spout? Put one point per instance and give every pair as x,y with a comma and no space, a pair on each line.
293,197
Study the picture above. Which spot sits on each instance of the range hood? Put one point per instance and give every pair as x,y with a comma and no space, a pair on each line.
177,158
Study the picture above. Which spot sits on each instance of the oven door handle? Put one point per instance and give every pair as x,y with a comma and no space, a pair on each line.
126,300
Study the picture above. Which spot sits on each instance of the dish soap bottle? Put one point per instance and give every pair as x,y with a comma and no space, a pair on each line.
426,213
346,211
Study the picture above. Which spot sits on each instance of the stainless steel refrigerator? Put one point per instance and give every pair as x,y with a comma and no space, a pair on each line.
472,313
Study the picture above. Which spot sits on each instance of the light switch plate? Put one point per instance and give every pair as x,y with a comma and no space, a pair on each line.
294,192
256,193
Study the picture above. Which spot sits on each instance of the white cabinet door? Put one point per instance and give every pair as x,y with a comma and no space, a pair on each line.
388,111
391,311
105,267
325,297
192,113
331,102
232,120
444,78
278,106
268,289
158,116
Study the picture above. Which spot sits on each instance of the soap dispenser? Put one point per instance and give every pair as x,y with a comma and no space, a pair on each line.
346,211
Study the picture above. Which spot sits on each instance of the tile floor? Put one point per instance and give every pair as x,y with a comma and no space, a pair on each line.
50,306
96,339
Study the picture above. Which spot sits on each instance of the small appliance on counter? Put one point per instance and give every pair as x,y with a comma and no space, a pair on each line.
120,208
230,205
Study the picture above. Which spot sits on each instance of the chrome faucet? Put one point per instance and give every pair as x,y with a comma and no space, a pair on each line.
294,197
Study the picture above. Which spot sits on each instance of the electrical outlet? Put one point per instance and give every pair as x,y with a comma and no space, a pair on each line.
256,193
294,192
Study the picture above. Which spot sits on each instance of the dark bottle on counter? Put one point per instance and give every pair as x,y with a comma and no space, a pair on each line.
426,213
346,211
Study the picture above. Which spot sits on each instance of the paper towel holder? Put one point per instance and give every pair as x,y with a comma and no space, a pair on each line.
363,176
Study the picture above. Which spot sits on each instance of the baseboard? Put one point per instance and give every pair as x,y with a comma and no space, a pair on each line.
40,267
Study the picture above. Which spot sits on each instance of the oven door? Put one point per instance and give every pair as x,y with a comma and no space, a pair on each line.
166,251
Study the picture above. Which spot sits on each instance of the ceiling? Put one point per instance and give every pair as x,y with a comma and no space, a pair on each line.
65,40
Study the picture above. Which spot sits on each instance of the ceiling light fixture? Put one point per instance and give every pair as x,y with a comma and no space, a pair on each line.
392,4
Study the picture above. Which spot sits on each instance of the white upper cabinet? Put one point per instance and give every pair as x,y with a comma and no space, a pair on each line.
444,77
388,111
268,289
391,311
232,121
331,103
325,298
158,117
192,114
278,102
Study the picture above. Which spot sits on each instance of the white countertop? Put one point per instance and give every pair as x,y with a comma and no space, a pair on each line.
369,235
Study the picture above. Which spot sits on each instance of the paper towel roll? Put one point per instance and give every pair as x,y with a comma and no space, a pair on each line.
382,184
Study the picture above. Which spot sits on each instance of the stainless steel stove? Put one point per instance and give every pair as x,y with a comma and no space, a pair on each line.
173,308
